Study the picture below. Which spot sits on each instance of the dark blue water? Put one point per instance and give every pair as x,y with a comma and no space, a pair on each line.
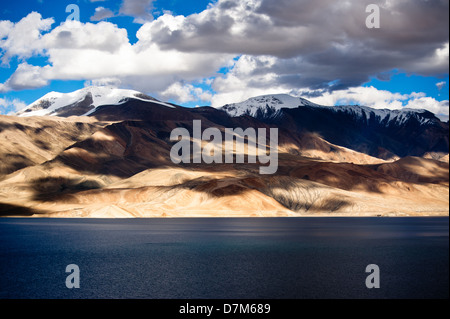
225,258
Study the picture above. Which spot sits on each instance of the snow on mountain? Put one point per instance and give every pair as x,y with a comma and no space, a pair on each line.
269,106
386,116
83,102
266,105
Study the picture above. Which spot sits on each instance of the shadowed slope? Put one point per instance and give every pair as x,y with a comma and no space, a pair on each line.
122,168
30,141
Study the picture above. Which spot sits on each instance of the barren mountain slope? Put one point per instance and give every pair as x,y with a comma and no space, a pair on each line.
29,141
301,187
116,163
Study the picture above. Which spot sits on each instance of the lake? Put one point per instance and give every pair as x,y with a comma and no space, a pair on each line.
225,257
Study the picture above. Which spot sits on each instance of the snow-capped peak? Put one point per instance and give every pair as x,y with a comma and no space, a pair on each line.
270,106
385,116
85,101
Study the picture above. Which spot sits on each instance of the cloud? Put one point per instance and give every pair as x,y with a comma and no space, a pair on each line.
381,99
26,77
102,13
251,76
368,96
9,106
139,9
87,51
243,82
5,28
316,41
111,81
441,85
23,39
186,93
316,47
74,35
430,104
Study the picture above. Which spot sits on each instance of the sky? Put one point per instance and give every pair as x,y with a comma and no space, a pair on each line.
202,52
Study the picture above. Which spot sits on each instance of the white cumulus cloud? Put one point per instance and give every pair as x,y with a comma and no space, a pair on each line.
441,84
186,93
11,106
139,9
102,13
23,39
87,51
320,48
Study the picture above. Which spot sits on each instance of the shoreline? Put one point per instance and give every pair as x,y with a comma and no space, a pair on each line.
239,217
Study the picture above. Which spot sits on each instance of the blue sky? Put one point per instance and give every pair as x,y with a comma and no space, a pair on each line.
16,10
211,53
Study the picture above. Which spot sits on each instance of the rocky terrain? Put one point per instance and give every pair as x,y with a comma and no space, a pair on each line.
79,157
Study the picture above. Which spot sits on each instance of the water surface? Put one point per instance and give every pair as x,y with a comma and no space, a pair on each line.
225,257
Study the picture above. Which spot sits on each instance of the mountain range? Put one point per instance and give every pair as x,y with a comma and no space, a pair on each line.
104,152
385,134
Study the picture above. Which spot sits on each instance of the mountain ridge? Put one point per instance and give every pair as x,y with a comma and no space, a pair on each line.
382,133
82,102
103,95
116,163
271,104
